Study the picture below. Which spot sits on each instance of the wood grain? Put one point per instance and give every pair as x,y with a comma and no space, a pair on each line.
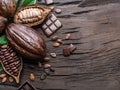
95,65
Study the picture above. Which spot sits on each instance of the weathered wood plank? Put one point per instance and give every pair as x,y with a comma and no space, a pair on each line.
95,65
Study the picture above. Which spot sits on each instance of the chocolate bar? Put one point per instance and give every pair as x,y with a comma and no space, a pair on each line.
49,2
26,86
51,25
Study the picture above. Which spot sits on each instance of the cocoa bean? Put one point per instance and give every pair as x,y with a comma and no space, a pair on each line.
32,77
4,79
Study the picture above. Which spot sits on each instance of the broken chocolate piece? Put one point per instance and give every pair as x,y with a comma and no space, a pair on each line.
72,48
66,51
69,49
26,86
51,25
49,2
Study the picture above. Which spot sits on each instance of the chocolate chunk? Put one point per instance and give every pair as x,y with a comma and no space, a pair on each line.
72,48
66,51
69,49
51,25
26,86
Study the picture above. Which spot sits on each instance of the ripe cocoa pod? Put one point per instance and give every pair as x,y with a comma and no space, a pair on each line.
31,15
26,41
3,22
11,62
7,8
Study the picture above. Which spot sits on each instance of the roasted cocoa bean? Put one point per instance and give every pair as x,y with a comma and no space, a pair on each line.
11,79
46,59
2,75
32,77
68,36
4,79
56,44
4,46
47,66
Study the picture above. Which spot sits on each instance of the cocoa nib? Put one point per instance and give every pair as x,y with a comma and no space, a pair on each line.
67,51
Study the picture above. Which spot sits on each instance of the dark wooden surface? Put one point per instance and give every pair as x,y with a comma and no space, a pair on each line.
95,65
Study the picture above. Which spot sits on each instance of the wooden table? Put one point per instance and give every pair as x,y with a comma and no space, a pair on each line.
95,65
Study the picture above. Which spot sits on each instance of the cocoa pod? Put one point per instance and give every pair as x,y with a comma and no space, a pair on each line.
31,15
11,62
7,8
26,41
3,22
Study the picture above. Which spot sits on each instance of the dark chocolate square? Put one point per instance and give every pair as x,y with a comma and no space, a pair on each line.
51,25
26,86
